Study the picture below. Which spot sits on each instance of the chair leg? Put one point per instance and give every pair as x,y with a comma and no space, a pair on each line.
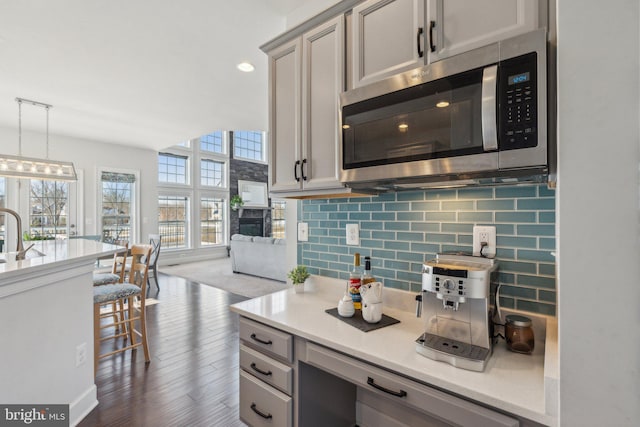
96,337
130,324
114,310
122,317
143,331
155,277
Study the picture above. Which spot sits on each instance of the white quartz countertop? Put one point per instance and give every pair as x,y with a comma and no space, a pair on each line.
49,254
512,382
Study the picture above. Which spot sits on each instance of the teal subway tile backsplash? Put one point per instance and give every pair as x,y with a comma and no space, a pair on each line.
402,230
410,195
475,193
514,192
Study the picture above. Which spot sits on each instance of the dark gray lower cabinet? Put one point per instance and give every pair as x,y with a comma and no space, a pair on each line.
262,405
286,380
266,375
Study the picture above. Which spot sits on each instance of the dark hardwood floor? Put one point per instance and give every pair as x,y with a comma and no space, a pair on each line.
192,379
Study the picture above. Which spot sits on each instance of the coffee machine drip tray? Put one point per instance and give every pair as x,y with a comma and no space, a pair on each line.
456,353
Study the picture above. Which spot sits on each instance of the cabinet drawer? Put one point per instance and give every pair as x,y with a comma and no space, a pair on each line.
270,340
423,398
263,405
268,370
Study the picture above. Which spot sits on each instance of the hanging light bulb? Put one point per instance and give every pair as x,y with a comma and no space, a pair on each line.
26,167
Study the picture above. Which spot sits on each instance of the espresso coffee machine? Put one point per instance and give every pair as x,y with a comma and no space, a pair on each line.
458,296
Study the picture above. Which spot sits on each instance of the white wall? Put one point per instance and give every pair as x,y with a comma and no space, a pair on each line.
88,156
308,10
598,212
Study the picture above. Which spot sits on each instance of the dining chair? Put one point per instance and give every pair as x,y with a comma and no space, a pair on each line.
155,240
118,267
131,293
116,275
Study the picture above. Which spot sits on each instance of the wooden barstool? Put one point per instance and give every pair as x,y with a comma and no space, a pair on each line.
116,275
121,294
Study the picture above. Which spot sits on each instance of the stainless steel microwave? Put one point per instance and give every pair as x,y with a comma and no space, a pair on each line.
478,117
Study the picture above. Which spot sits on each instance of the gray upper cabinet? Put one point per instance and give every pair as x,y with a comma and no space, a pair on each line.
322,83
306,79
392,36
387,37
284,116
307,71
462,25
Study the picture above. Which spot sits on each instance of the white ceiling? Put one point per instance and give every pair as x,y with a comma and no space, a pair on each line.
147,73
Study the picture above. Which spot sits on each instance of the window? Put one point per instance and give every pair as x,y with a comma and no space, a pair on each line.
212,173
173,221
172,168
117,206
249,145
211,221
212,142
277,219
48,207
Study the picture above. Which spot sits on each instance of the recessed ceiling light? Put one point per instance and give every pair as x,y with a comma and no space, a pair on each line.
442,104
246,67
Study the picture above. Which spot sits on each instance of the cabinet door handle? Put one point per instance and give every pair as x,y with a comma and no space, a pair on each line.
255,368
295,170
255,338
304,176
420,50
255,409
432,45
373,384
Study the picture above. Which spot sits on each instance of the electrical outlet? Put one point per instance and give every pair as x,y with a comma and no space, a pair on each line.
353,234
81,354
303,232
484,234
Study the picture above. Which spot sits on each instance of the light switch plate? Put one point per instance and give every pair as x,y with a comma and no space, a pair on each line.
303,232
353,234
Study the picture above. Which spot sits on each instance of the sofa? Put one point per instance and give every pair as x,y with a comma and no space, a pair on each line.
259,256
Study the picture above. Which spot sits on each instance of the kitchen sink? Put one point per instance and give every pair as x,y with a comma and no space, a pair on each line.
11,256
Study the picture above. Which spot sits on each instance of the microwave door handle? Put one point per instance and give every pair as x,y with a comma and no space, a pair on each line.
489,108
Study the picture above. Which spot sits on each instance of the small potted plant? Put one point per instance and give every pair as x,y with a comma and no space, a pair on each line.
236,202
298,276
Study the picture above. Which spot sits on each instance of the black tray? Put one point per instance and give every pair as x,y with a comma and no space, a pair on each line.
358,322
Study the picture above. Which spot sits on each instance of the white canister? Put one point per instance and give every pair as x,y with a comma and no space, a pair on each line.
372,312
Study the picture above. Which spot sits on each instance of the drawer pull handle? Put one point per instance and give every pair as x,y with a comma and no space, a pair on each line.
255,368
372,383
255,338
255,409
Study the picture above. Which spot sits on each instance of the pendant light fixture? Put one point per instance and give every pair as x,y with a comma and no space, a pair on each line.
27,167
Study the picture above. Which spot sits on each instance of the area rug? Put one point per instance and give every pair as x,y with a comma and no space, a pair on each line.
218,274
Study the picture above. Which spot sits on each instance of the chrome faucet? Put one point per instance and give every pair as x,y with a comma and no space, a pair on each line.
21,252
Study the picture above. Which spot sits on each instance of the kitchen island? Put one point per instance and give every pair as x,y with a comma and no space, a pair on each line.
523,386
46,318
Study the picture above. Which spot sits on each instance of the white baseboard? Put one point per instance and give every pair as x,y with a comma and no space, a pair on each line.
184,256
80,408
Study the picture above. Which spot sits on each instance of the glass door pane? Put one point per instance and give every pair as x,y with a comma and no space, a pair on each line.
48,210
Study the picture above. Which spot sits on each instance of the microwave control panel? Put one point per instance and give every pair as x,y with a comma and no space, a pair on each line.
518,100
